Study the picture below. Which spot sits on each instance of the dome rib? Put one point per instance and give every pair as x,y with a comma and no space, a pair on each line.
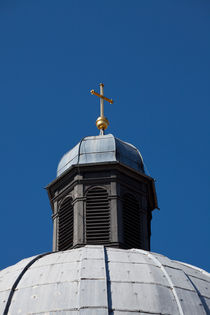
205,306
169,281
79,148
12,291
109,297
93,276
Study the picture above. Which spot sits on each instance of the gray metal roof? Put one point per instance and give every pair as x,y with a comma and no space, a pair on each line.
94,280
99,149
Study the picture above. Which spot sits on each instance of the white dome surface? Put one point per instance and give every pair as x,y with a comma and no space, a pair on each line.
94,280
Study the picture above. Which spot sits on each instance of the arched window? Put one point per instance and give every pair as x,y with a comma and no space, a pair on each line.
97,216
66,225
131,222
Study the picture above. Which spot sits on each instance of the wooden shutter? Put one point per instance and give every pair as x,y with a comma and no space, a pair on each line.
131,222
66,225
97,216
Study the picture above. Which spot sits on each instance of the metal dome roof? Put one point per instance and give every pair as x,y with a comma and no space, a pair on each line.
99,149
94,280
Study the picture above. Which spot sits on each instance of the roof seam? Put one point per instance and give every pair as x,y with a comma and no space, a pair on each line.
71,309
63,263
140,311
191,266
112,281
152,283
196,277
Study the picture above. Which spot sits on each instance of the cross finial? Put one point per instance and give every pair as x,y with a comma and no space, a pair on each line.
102,122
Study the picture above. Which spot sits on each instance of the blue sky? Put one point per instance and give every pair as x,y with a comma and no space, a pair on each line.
153,57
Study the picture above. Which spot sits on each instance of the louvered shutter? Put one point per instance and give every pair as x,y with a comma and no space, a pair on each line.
131,222
66,225
97,216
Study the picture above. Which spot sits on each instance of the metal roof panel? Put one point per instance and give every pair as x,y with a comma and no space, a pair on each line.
100,149
97,280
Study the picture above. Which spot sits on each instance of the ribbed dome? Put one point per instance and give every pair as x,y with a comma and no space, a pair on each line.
94,280
101,149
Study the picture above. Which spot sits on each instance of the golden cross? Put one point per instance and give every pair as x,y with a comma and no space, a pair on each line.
102,122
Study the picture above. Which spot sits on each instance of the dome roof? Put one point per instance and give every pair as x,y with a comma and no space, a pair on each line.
94,280
99,149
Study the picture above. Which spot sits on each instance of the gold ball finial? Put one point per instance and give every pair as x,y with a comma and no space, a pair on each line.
102,123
